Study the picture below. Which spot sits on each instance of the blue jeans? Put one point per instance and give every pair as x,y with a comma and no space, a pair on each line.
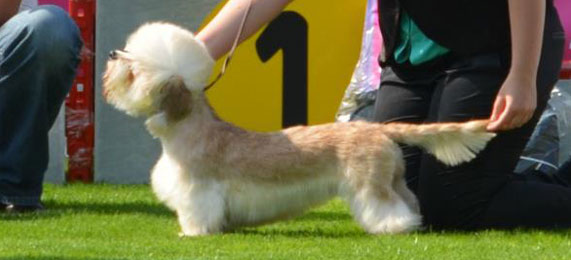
39,53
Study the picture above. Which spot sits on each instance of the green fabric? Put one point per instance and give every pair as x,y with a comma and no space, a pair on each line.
414,45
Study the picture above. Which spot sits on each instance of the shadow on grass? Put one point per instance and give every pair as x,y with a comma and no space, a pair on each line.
55,258
313,231
358,233
55,210
304,233
331,232
325,216
517,231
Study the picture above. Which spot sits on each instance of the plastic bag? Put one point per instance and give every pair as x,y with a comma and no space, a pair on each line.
361,92
550,144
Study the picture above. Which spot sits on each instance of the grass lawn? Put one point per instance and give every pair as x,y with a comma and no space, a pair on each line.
126,222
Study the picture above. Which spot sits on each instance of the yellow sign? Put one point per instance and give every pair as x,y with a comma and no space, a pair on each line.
293,71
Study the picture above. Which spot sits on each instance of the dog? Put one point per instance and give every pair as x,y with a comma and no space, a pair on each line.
218,177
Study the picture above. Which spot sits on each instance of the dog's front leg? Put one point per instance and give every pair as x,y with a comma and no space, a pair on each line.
191,229
202,213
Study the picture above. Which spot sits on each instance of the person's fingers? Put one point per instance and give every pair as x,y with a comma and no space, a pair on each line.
498,108
518,119
521,117
524,118
508,114
528,117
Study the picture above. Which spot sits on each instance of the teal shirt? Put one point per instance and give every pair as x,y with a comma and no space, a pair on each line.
414,45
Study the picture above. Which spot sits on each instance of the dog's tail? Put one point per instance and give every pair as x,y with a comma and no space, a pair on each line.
451,143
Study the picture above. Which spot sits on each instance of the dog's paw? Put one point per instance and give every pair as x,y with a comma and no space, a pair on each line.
195,232
397,224
183,235
190,234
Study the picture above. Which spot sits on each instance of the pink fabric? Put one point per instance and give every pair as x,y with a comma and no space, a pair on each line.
61,3
377,39
564,8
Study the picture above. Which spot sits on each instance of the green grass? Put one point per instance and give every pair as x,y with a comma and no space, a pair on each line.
126,222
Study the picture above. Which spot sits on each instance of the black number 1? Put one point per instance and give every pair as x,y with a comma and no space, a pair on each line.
288,32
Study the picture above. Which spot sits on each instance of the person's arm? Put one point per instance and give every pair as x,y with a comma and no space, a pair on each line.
8,8
517,98
220,33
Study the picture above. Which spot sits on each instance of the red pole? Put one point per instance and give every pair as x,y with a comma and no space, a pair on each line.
79,111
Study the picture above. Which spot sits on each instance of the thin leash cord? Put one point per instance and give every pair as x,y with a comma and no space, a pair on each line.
234,45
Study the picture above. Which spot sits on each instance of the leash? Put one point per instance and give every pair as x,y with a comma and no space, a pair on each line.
234,45
124,54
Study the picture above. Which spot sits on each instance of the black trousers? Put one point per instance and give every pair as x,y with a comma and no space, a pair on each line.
484,193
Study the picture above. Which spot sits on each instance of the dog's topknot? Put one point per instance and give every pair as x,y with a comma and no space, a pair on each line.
171,51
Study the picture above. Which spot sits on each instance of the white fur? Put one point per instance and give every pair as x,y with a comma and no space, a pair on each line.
170,50
207,205
383,217
279,201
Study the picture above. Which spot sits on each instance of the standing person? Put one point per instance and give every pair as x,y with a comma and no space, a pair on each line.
451,60
39,53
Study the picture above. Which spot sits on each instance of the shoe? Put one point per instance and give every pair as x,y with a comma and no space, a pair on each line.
12,208
3,207
565,171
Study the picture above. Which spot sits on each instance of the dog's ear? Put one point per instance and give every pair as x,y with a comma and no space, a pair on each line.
177,99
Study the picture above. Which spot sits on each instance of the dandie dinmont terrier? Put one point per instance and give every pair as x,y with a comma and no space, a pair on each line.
219,177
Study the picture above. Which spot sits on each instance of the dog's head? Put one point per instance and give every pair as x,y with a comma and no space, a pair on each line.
158,70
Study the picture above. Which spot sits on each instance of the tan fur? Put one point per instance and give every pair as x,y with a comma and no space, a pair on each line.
176,101
218,177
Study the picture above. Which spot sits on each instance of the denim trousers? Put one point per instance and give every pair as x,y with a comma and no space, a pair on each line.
39,53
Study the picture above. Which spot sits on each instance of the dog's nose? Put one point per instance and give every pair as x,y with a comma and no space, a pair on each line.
113,55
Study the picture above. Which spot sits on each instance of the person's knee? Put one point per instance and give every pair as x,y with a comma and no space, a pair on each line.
42,43
55,34
46,32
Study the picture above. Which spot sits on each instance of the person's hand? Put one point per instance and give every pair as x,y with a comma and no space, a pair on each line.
8,8
514,104
517,98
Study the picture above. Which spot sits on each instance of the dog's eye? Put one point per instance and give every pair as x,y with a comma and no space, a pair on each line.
119,54
113,55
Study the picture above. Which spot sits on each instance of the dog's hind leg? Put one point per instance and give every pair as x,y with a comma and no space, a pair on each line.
400,187
381,212
375,204
410,199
